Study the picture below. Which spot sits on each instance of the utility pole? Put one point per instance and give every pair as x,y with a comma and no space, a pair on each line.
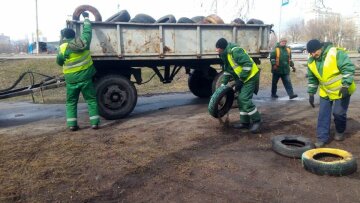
37,29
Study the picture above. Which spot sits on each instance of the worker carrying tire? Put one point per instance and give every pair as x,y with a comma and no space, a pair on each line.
75,59
239,66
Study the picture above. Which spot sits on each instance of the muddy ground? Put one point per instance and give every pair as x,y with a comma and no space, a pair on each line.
178,154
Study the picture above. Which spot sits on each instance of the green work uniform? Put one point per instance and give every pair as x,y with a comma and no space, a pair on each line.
74,57
245,70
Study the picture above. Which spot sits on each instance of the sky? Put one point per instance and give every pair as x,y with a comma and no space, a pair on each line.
18,17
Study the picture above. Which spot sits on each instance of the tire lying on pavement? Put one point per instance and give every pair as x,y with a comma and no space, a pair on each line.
291,145
221,101
345,164
80,9
142,18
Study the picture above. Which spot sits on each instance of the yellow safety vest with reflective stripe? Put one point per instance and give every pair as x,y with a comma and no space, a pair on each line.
237,68
330,81
277,58
76,61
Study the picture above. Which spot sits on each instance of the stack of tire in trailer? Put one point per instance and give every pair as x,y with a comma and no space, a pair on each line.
321,161
124,16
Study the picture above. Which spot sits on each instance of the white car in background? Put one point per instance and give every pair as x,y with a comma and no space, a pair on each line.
298,48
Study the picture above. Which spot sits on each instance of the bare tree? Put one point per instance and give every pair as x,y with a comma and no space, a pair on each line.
295,30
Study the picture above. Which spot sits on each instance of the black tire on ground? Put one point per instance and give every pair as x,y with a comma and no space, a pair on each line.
291,145
142,18
167,19
221,101
185,20
200,82
254,21
121,16
344,165
198,19
116,96
80,9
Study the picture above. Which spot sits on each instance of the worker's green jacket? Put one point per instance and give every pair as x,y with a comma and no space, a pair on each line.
73,47
344,64
282,60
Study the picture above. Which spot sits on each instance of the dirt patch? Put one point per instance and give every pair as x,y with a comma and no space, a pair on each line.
171,155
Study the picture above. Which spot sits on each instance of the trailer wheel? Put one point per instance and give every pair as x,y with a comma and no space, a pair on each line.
116,96
80,9
200,83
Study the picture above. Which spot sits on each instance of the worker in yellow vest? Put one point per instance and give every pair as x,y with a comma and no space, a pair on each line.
331,71
75,59
281,62
240,67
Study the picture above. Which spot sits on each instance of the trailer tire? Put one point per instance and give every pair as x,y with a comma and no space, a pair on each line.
142,18
185,20
121,16
80,9
291,145
213,19
221,101
200,84
116,96
346,166
167,19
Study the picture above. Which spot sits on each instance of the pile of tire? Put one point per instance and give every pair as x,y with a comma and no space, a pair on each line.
124,16
316,161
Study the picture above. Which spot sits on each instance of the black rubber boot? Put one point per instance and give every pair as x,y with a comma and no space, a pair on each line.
255,128
74,128
293,96
241,125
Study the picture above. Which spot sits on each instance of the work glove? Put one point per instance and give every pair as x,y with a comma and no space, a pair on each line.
293,69
85,14
344,92
311,100
238,85
274,67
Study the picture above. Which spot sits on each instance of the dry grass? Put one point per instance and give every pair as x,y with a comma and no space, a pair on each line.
10,70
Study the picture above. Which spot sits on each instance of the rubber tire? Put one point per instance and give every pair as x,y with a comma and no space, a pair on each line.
255,21
142,18
213,19
185,20
121,16
80,9
343,167
238,21
167,19
217,97
281,144
198,19
123,84
199,84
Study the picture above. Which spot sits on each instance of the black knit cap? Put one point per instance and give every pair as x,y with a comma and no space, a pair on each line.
313,45
221,43
68,33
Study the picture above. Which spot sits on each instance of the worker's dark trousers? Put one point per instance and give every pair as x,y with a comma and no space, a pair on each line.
285,78
324,120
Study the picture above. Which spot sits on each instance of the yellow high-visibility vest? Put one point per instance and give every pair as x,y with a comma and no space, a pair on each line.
76,61
277,58
330,81
237,68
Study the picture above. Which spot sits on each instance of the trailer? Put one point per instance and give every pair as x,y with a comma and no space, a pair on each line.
121,50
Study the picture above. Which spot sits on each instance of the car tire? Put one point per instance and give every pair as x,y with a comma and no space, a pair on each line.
255,21
185,20
142,18
122,16
167,19
221,101
80,9
238,21
346,166
213,19
198,19
291,145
